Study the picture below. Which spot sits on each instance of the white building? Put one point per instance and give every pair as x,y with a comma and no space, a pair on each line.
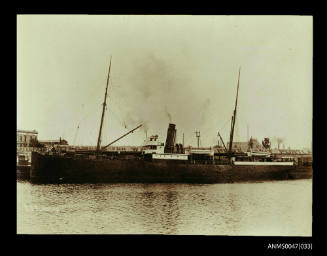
24,137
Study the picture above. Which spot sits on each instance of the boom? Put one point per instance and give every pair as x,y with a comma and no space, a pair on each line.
121,137
222,141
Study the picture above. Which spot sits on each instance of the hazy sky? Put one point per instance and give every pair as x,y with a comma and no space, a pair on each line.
179,67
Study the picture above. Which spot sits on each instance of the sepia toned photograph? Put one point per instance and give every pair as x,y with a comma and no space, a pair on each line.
165,125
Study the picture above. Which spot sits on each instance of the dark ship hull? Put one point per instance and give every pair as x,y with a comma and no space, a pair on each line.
58,169
198,167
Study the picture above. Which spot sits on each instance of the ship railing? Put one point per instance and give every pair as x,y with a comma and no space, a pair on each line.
209,162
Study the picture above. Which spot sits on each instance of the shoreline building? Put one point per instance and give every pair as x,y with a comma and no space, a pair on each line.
25,137
26,143
51,143
244,146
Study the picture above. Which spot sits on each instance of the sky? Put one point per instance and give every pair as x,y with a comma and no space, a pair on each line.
181,69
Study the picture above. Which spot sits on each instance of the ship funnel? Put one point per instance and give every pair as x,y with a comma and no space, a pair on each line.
170,140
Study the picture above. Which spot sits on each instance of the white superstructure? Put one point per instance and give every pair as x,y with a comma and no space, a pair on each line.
263,163
156,149
197,151
168,156
265,154
153,146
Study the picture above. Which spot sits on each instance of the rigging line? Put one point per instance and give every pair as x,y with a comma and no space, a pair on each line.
205,132
120,121
76,134
227,121
87,114
111,111
115,100
91,96
237,137
187,140
119,111
121,100
91,137
88,101
84,115
120,103
97,89
106,122
221,130
85,139
93,93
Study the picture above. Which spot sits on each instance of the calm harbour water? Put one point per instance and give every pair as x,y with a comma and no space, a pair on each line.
279,208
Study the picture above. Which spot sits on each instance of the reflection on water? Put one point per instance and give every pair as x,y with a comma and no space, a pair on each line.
282,208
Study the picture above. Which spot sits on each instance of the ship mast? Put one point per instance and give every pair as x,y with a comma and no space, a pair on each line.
103,110
234,117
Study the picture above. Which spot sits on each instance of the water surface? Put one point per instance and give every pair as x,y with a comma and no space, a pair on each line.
279,208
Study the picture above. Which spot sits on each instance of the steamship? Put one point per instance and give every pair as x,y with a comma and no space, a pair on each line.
160,162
